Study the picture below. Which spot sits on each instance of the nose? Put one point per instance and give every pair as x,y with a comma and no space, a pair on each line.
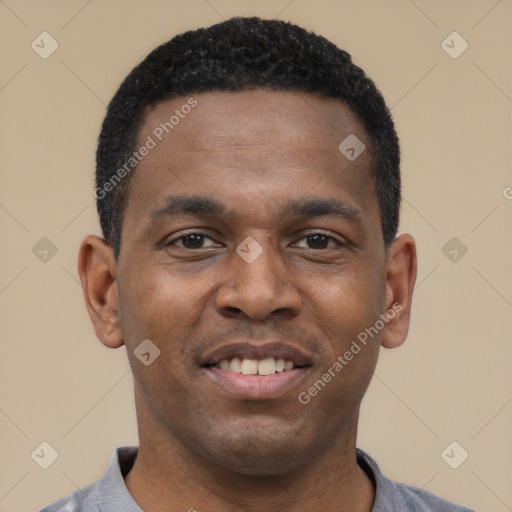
258,289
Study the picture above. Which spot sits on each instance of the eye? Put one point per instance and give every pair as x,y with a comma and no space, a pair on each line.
191,241
320,240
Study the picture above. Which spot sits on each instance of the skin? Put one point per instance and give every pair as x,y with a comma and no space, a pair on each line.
200,446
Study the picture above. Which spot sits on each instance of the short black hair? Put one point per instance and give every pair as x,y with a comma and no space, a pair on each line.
235,55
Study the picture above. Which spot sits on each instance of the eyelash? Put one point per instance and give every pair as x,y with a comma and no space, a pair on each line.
197,232
206,235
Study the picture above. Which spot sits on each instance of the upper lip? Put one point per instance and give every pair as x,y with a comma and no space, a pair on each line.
257,350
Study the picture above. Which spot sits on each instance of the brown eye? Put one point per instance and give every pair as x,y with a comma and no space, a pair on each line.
320,241
190,241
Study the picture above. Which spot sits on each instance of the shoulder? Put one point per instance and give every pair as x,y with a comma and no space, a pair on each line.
108,494
392,495
420,500
84,500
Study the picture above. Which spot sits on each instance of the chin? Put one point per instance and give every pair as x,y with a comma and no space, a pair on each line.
262,455
260,464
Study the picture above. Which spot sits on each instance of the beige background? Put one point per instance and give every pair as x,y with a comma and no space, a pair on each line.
451,381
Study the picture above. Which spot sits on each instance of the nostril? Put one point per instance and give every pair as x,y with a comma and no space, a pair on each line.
231,312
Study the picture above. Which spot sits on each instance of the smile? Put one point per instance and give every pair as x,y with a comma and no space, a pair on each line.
257,372
268,366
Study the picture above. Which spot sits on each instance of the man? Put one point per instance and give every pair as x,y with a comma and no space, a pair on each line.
248,189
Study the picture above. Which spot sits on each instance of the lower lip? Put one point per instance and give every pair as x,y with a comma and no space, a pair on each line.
254,387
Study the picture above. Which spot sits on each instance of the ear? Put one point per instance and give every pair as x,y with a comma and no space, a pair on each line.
401,275
97,269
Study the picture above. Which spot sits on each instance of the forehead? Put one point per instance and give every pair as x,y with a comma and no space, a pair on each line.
257,149
235,119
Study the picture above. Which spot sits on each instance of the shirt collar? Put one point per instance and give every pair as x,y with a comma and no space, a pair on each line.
387,496
113,495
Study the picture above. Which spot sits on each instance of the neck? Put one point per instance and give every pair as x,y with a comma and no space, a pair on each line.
167,476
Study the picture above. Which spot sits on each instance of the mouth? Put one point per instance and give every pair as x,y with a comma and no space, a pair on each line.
262,367
257,372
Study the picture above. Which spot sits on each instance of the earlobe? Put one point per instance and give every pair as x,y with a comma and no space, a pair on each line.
97,270
400,280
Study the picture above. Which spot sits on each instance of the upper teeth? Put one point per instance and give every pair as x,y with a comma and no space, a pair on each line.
267,366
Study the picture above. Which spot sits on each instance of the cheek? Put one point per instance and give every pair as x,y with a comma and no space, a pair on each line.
345,308
346,304
338,386
158,305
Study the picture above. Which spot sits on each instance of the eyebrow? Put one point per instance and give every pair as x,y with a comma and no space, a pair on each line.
322,208
199,206
204,206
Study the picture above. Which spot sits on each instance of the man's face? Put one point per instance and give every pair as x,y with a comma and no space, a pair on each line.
189,281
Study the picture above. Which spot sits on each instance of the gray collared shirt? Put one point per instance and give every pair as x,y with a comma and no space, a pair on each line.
109,493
